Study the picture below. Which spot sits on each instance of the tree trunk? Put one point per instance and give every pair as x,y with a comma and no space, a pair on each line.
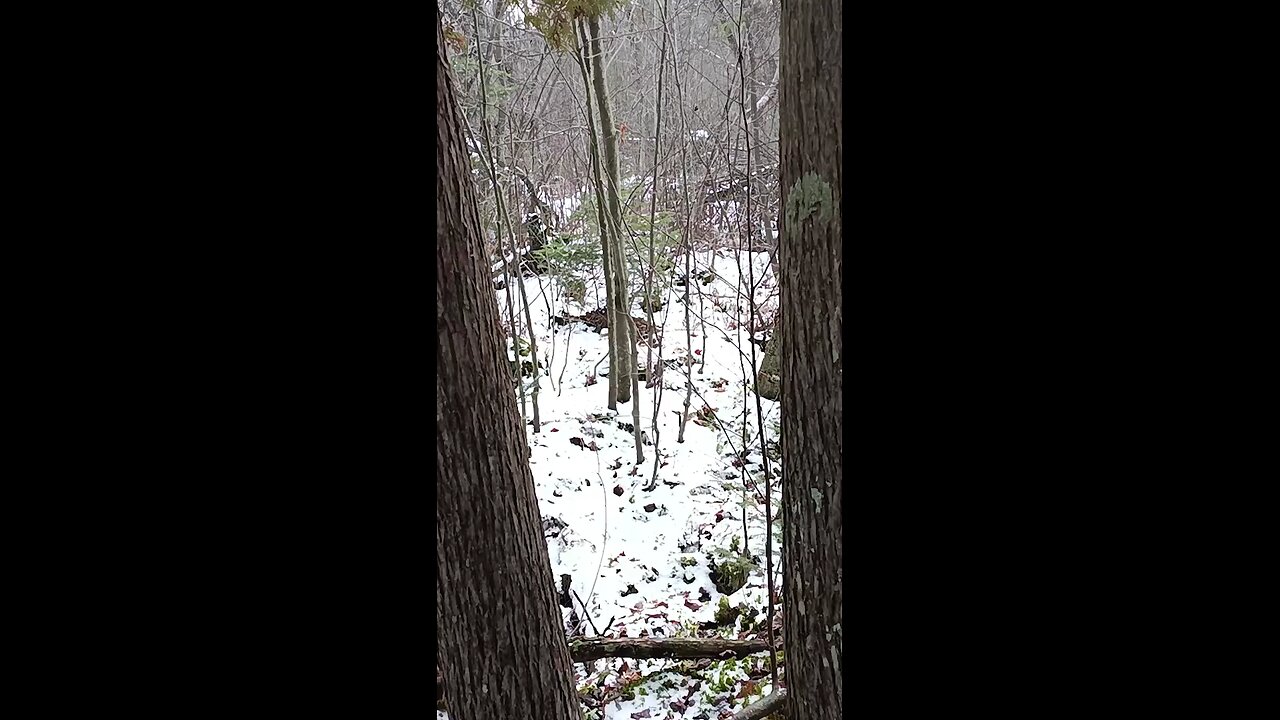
500,647
619,306
606,245
812,390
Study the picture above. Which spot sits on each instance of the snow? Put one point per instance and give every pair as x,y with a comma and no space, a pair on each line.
660,559
562,206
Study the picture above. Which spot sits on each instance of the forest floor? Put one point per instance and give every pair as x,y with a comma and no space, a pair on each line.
660,558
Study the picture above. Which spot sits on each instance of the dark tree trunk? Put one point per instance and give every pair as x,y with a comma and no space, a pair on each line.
501,649
812,389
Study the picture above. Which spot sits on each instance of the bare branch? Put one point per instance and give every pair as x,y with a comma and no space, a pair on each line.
775,703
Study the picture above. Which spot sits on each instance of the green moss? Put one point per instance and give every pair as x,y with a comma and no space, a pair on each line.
730,569
810,195
725,614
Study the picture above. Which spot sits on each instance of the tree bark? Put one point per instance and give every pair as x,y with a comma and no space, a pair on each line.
811,259
647,648
500,647
623,364
775,703
605,226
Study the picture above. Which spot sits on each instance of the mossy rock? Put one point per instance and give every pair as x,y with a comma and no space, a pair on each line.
730,575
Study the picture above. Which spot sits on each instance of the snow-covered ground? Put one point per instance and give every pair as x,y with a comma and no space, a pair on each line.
641,559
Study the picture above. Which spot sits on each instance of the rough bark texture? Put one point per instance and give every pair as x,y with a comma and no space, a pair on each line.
812,389
588,650
501,650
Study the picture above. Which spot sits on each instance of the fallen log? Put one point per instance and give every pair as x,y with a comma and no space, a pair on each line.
775,703
590,649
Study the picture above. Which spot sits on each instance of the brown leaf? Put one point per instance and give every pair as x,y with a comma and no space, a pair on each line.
642,714
617,490
691,605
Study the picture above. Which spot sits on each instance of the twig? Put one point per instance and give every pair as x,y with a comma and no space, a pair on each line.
587,613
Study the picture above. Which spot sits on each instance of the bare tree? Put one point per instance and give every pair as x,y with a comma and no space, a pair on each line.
620,326
501,650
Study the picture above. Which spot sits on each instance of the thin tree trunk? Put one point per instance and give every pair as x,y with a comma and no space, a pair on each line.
504,215
751,132
811,257
606,254
688,246
653,374
635,393
624,364
500,647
